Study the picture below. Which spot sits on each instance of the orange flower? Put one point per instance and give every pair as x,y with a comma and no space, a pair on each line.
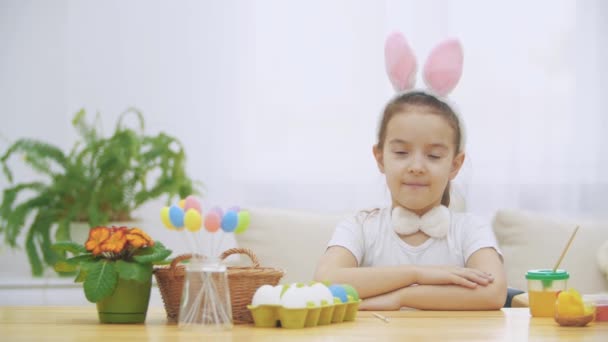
116,242
137,238
96,237
115,229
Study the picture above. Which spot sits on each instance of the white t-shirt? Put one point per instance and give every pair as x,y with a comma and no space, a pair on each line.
371,239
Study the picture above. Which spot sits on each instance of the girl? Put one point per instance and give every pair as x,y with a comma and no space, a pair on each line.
417,253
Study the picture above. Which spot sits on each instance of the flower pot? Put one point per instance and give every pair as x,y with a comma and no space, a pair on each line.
127,304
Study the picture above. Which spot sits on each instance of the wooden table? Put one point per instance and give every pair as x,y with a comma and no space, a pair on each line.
80,324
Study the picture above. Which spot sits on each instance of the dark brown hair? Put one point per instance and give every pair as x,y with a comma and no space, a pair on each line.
433,105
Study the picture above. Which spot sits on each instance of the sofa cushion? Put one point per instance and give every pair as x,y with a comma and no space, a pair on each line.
531,241
289,239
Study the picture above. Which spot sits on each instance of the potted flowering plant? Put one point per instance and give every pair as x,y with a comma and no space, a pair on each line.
115,265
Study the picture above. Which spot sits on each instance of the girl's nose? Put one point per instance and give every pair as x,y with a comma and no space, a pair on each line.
416,166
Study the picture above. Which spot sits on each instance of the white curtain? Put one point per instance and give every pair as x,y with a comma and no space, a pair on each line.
277,102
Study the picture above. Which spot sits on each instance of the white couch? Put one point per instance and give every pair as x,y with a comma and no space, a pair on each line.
294,241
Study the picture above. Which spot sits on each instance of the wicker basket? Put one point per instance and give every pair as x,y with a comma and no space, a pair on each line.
243,282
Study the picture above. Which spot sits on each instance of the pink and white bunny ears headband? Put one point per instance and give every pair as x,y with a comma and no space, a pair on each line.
441,72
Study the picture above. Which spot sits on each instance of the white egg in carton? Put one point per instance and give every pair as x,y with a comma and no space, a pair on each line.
299,305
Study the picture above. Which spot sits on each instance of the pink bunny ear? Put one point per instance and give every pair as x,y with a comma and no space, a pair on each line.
443,68
400,62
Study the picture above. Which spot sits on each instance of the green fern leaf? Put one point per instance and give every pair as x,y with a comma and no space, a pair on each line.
42,224
32,254
131,110
38,154
63,231
15,220
9,195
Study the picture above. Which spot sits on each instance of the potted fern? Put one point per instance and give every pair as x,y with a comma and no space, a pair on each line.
100,180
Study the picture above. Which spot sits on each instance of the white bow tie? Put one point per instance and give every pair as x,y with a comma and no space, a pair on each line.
434,223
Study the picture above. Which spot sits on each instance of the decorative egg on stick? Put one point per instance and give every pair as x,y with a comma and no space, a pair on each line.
243,222
164,217
186,214
234,220
192,203
193,220
176,216
230,221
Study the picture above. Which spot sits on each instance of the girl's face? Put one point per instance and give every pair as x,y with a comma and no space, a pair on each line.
418,159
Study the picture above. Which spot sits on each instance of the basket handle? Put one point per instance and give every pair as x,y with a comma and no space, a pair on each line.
246,251
181,258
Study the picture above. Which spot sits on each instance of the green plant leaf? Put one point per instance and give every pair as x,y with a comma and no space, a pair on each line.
43,224
63,266
100,282
63,231
131,110
32,254
134,271
69,246
82,275
72,264
9,195
154,254
15,221
37,154
158,246
83,270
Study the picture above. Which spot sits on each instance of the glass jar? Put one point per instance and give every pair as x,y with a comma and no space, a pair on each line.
205,298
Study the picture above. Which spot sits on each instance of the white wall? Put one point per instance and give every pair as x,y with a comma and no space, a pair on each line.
277,101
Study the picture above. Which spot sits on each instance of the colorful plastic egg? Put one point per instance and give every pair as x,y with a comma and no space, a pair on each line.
339,292
192,203
212,222
176,215
229,221
193,220
243,222
351,292
164,217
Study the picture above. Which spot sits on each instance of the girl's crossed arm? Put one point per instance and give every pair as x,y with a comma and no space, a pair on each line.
338,265
450,297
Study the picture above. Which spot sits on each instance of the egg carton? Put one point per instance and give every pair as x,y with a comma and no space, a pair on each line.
270,316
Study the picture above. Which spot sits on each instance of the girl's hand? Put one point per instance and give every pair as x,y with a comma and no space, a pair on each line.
450,275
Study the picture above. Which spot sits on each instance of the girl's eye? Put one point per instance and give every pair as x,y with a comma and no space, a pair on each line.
432,156
401,153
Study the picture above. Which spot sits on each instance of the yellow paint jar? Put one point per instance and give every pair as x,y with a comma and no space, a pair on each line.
543,287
